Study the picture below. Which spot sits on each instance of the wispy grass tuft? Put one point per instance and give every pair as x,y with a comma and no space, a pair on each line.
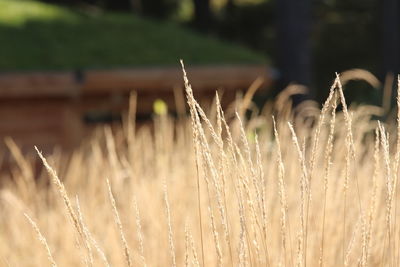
282,187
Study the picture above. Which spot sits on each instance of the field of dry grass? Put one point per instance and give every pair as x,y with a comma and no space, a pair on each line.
283,188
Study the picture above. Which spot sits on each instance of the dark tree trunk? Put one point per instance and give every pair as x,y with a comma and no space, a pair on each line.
120,5
160,9
390,38
203,18
294,44
136,6
230,5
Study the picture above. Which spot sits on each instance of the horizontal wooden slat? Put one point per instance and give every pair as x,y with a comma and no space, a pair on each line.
35,121
144,103
146,80
161,79
33,114
37,84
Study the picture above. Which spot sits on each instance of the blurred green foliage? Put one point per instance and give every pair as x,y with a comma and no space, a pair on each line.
35,35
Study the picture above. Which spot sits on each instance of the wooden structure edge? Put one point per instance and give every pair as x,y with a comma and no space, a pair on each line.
144,80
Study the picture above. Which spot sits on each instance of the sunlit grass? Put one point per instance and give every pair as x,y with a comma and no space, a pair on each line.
19,12
314,187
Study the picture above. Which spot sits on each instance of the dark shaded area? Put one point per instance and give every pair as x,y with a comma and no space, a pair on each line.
294,42
160,9
101,117
390,36
346,36
157,8
311,40
203,17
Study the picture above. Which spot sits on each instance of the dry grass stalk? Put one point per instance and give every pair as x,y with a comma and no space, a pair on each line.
89,238
186,246
352,241
282,196
170,233
63,193
396,173
389,190
350,156
139,232
216,237
222,166
263,202
195,261
42,240
372,206
314,148
246,179
328,163
251,200
23,164
304,192
359,74
249,95
131,124
194,119
85,233
118,222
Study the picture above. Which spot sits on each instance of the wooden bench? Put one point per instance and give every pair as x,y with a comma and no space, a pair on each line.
59,108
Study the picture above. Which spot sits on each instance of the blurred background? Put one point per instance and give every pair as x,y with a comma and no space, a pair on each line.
60,56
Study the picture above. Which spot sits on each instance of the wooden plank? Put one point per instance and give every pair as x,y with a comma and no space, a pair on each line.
165,79
144,105
146,80
38,84
26,120
49,108
31,114
43,140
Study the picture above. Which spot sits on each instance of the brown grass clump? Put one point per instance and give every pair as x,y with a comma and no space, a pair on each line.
319,188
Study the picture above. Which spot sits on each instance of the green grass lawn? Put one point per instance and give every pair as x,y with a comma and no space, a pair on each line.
34,35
